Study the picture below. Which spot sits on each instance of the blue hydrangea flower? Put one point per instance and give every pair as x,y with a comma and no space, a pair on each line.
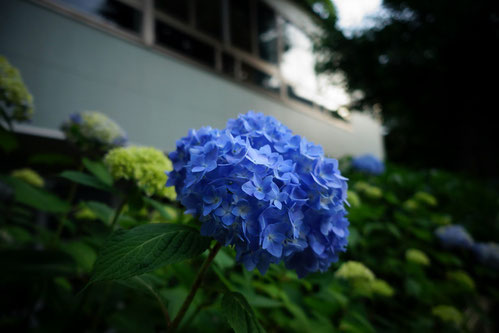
487,253
368,163
454,236
270,194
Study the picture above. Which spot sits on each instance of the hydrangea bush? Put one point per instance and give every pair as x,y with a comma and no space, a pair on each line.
454,236
91,130
28,175
145,166
16,103
368,163
271,194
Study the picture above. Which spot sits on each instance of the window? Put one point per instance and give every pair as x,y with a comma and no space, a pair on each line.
259,78
298,70
184,44
209,17
247,40
240,24
178,9
111,11
267,33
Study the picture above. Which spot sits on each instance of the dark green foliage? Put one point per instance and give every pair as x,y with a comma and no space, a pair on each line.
427,65
239,314
52,250
128,253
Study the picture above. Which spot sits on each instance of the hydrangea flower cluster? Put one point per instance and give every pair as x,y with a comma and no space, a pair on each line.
29,176
417,256
454,236
448,313
271,194
354,270
487,253
363,279
143,165
368,163
16,103
92,130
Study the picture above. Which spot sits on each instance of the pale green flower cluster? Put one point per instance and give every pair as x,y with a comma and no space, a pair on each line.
85,213
363,279
420,199
448,313
353,198
369,191
417,257
29,176
462,278
352,270
94,130
16,103
425,198
145,166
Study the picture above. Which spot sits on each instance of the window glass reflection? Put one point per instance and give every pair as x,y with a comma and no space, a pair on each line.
240,24
261,79
184,44
178,9
111,11
209,17
298,69
267,33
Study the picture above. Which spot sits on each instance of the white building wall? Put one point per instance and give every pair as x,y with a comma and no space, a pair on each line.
70,66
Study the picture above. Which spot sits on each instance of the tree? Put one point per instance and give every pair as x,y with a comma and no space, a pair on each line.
432,67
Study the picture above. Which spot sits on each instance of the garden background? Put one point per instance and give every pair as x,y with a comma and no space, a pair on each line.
422,249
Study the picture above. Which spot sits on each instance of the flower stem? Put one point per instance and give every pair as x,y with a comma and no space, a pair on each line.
118,212
197,283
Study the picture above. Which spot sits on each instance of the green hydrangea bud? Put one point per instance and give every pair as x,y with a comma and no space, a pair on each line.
462,278
29,176
381,288
354,270
353,198
85,213
369,191
145,166
448,314
92,130
417,256
425,198
16,103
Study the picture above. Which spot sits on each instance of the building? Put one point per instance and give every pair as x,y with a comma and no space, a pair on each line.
160,67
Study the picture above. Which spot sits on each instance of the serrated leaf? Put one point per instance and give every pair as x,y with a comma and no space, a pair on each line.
27,264
99,170
85,179
239,313
133,252
159,207
102,211
36,197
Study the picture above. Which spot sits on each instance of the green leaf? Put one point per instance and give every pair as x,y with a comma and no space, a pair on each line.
8,141
27,264
82,254
128,253
36,197
160,208
85,179
103,211
239,314
99,170
51,159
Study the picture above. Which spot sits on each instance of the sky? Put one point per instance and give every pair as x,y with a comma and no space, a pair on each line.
354,14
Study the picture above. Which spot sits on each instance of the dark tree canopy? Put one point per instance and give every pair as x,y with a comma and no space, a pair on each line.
432,66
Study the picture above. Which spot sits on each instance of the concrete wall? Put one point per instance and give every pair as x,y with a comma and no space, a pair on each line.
70,66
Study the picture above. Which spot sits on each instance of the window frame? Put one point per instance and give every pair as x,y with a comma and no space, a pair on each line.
146,38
